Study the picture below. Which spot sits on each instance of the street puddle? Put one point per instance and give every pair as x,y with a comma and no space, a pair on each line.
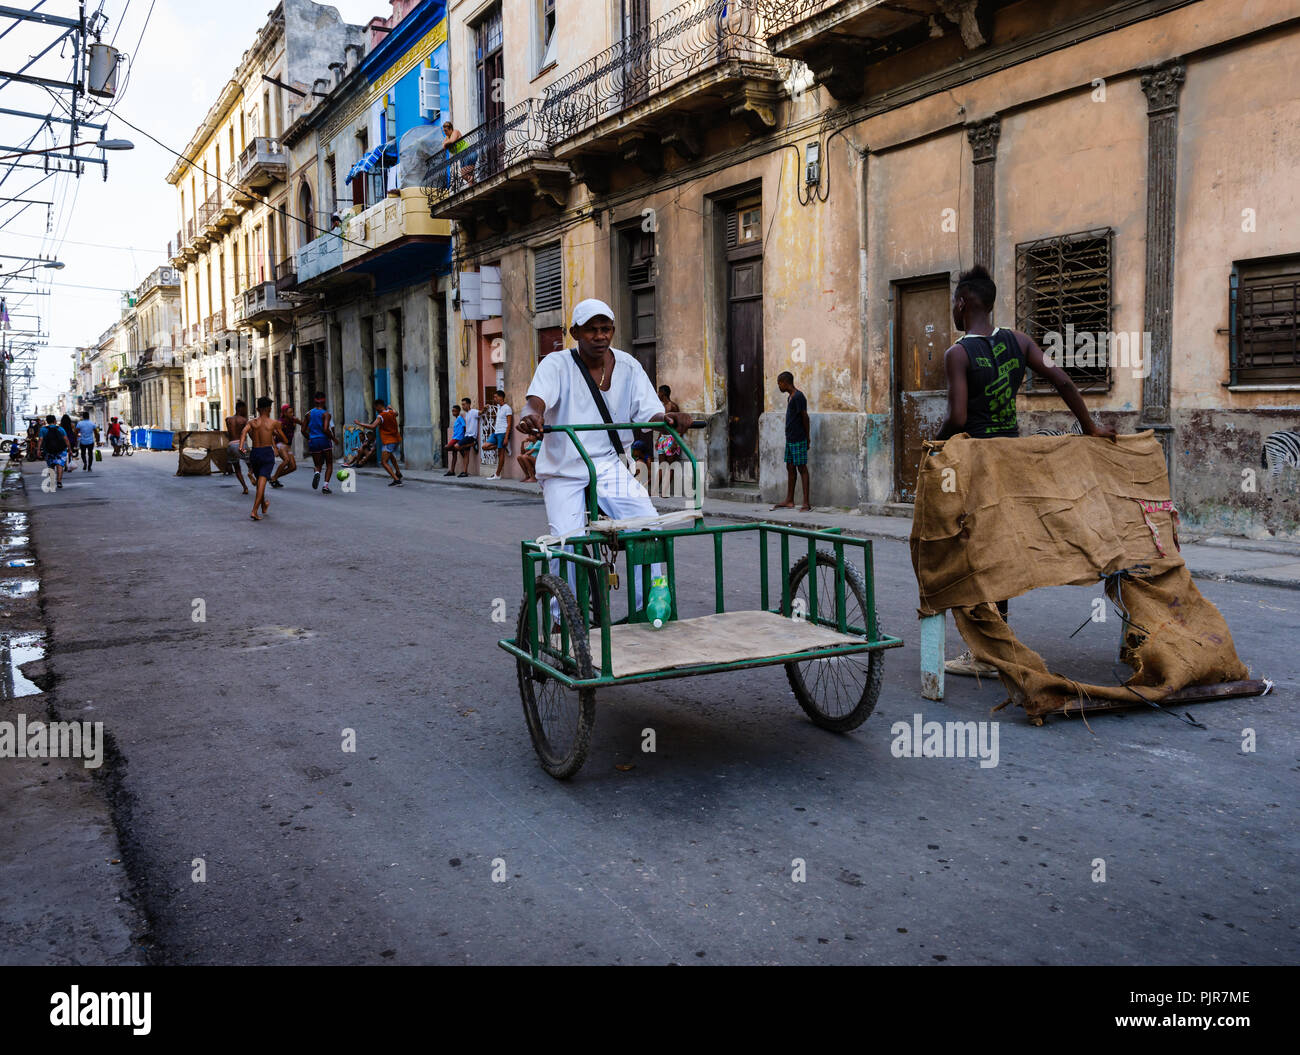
19,587
15,651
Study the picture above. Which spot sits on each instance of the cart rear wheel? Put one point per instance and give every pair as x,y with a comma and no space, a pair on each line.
839,692
559,719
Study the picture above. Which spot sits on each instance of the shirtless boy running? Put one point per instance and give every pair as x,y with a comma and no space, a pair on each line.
234,430
265,433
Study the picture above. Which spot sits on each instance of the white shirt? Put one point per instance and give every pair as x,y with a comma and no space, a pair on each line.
503,417
559,384
471,424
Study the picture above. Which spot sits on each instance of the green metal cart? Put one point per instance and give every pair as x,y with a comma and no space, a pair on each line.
817,617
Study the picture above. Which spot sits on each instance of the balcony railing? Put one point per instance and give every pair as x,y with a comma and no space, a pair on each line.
260,303
217,322
262,163
404,215
318,256
490,148
285,276
780,15
687,40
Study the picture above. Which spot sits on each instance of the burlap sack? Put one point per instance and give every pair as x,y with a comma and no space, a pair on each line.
997,518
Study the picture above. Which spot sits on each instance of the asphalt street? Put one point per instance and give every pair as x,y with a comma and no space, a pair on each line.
440,840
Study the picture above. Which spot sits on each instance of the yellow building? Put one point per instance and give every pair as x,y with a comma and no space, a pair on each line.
234,246
768,185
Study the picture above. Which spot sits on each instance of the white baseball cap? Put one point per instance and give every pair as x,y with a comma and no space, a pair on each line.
589,309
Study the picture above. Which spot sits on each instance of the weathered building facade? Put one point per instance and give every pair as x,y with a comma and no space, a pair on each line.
370,291
238,216
153,374
763,185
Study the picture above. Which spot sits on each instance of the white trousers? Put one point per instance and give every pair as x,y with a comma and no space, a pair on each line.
618,494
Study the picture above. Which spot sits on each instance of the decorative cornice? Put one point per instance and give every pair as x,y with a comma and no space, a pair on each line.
983,136
1162,87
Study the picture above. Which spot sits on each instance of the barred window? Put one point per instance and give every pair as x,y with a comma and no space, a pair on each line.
1063,292
548,289
1263,329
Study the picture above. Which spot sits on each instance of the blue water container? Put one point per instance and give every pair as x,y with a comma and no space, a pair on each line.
161,439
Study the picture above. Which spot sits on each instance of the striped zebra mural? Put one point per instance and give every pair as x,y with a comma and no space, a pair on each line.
1280,449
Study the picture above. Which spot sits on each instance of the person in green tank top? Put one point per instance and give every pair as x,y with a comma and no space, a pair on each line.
985,369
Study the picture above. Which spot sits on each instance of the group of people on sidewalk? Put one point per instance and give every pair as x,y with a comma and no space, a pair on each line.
260,440
465,422
58,440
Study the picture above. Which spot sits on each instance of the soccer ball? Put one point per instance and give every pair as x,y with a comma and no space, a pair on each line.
342,474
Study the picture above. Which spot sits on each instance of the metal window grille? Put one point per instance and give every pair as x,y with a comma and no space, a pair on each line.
1063,287
548,290
1264,337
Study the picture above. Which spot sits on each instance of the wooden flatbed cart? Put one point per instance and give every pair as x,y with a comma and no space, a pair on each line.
819,623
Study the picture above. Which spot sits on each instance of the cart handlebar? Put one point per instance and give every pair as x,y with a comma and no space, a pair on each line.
622,426
593,509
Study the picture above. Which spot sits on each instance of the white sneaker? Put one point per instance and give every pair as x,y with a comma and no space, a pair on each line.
968,666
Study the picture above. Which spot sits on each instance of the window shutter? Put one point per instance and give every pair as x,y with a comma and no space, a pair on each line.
548,289
469,296
490,291
434,100
733,228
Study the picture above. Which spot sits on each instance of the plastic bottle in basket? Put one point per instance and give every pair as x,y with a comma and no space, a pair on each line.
659,608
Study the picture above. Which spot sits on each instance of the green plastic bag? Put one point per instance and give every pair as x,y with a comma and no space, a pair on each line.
99,455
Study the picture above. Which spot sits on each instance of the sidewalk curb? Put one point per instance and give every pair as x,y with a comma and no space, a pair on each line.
819,518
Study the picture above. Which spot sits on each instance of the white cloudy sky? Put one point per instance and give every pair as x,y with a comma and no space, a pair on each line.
189,50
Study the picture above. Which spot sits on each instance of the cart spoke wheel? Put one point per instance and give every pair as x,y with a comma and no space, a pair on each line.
559,719
838,692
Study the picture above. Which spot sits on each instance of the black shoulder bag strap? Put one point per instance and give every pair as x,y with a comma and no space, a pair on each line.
594,389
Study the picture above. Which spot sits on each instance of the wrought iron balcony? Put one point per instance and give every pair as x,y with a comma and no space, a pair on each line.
285,275
238,195
262,164
260,304
840,39
721,43
511,149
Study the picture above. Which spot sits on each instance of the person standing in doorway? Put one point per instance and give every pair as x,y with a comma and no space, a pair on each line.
320,442
390,438
288,425
985,369
235,429
500,441
86,435
797,431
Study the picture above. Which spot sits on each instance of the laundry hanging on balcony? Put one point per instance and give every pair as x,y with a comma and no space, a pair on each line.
385,155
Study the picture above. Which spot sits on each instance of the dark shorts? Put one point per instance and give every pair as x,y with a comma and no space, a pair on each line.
319,445
796,453
261,461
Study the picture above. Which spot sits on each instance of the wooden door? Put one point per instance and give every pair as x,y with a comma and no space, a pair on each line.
922,333
744,365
